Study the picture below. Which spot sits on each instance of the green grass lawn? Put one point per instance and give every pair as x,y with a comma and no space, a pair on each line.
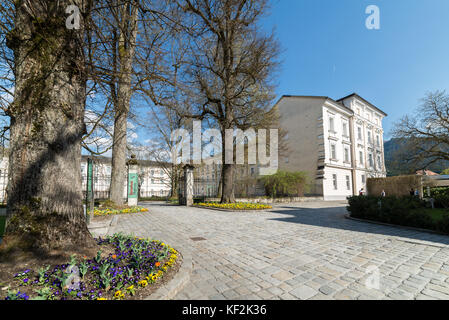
436,214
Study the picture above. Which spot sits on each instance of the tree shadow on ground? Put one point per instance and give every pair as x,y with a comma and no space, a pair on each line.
334,217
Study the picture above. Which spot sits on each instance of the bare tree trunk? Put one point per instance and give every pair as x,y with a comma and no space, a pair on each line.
228,184
118,171
47,123
227,175
126,51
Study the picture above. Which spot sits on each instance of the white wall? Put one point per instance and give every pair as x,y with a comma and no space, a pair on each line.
328,186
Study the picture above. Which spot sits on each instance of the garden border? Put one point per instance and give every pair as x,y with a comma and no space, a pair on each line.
168,290
231,210
347,216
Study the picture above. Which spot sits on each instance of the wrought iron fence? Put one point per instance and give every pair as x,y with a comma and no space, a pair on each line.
202,188
3,185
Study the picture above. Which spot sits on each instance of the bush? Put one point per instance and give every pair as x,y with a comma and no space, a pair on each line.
405,211
286,184
441,201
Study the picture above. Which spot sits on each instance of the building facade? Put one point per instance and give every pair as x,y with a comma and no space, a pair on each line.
207,178
154,179
339,143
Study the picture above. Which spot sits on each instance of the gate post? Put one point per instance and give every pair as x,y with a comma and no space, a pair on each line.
89,190
133,181
188,185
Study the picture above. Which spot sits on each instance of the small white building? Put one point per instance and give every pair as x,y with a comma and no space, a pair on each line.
339,143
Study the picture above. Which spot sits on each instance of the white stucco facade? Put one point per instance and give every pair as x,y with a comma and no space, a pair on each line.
339,143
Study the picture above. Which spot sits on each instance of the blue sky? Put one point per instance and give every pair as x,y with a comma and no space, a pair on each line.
327,50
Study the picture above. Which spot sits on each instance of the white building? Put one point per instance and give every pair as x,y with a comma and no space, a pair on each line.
154,179
339,143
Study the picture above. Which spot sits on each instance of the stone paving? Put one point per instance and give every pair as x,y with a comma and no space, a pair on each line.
297,251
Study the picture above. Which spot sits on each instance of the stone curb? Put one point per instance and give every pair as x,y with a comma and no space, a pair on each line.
102,229
347,216
169,290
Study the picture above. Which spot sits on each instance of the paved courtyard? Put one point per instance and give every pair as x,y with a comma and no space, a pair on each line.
297,251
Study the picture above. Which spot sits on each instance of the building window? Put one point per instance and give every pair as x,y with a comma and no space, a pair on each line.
333,152
361,157
152,172
379,163
363,179
378,140
286,160
347,155
345,129
331,124
369,136
152,180
359,133
334,180
370,160
252,171
348,183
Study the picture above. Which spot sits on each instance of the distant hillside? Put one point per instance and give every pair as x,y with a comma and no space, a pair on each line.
395,149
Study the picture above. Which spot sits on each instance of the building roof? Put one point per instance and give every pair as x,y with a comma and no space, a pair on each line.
364,100
426,173
318,97
339,101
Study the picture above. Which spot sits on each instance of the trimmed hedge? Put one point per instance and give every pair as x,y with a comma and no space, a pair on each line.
441,197
404,211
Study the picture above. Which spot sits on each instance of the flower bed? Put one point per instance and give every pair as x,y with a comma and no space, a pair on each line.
234,206
132,264
112,211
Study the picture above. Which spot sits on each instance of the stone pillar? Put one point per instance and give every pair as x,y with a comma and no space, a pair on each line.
188,185
133,181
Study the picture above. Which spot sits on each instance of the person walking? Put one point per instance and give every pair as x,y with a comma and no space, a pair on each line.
361,192
382,194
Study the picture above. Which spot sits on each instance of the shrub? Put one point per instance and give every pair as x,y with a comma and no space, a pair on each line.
286,184
405,211
441,201
443,224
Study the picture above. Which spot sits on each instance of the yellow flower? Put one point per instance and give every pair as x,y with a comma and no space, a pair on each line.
118,294
143,283
102,299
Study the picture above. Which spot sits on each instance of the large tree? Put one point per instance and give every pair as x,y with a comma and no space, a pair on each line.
128,37
47,125
228,70
425,133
